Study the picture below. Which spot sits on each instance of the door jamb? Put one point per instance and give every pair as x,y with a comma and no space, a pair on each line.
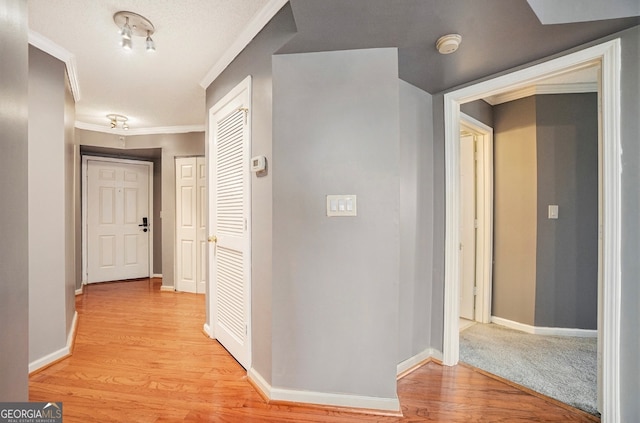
84,195
609,56
484,207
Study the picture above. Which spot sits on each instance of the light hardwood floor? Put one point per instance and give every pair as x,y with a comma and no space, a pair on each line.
140,356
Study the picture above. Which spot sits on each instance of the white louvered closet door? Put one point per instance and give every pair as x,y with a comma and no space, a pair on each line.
230,249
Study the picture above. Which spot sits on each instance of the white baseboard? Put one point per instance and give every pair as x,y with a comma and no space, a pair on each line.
157,275
207,330
417,359
323,398
80,290
61,353
167,288
540,330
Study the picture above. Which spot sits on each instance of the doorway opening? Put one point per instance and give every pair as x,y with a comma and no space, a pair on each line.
606,55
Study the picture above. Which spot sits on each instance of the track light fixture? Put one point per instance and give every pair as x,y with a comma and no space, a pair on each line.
131,24
116,120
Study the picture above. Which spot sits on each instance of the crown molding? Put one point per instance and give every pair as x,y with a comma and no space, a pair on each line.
43,43
583,87
140,131
259,21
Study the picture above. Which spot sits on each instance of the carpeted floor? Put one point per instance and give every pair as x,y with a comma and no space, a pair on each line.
564,368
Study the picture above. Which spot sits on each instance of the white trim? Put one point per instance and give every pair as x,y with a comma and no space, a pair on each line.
583,87
61,353
608,55
84,194
259,21
167,288
157,275
542,330
417,359
208,331
484,243
322,398
80,290
140,131
43,43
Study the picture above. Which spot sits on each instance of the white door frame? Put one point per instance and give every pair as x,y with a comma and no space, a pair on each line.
609,57
484,207
85,164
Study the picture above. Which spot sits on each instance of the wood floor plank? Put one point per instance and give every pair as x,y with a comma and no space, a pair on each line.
140,356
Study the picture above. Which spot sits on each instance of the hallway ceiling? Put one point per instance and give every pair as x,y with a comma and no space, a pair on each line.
162,89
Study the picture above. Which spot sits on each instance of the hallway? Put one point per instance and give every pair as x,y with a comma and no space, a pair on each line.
140,355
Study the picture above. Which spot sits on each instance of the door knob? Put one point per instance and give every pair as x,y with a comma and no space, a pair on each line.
213,238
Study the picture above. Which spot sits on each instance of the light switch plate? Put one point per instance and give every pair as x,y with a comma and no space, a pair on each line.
343,205
553,211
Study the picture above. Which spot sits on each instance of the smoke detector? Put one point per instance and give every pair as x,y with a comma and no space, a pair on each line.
449,43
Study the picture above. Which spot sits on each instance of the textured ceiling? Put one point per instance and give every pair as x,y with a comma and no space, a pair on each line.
162,89
153,89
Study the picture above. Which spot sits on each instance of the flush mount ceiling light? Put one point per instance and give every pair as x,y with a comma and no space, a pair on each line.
449,43
116,120
131,24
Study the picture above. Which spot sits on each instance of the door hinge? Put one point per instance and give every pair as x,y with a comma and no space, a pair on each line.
246,113
475,223
475,291
246,329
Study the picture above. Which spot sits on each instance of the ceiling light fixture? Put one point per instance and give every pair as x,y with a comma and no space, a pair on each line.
151,46
449,43
116,119
131,24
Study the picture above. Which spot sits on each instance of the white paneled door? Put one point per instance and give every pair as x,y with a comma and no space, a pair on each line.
191,229
118,220
230,223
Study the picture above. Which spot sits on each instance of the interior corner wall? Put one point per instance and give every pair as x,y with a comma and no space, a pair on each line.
172,145
255,60
14,250
567,247
416,220
46,164
515,216
335,279
438,261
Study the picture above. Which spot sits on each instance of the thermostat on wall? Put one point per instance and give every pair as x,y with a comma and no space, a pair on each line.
258,163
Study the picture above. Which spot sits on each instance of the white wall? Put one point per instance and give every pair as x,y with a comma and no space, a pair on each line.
335,280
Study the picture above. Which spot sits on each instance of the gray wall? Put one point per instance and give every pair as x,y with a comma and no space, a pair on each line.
567,248
255,60
480,110
14,250
172,145
416,221
630,295
546,152
50,308
515,217
335,280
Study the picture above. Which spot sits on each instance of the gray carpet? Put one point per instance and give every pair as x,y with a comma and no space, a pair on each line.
564,368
